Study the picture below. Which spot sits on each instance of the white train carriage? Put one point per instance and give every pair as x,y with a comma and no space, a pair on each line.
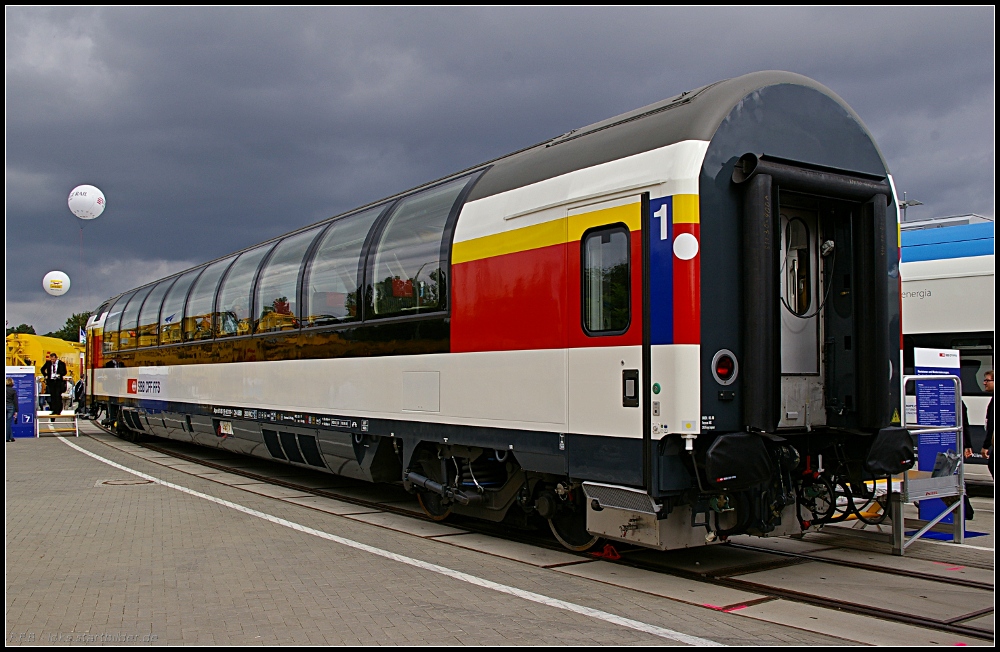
948,283
665,328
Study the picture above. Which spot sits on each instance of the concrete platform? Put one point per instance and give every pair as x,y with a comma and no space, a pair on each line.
892,593
675,588
407,525
204,562
853,626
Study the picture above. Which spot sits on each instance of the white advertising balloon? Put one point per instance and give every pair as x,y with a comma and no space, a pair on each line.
56,283
87,202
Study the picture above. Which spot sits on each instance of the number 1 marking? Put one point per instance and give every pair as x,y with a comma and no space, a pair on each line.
661,213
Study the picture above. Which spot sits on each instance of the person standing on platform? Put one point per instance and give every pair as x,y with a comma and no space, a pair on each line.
54,373
11,408
987,450
40,393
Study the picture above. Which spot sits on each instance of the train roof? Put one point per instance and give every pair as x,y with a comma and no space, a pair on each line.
961,241
692,115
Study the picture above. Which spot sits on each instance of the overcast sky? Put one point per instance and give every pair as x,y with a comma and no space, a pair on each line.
213,129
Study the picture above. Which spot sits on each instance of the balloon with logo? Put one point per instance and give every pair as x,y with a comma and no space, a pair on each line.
56,283
87,202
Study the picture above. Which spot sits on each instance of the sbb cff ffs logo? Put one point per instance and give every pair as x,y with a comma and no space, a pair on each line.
137,386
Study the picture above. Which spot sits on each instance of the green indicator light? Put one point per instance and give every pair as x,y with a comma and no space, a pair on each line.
656,388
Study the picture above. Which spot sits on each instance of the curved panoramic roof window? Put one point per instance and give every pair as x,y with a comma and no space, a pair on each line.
276,304
234,295
149,316
409,275
173,308
331,285
198,315
113,321
127,334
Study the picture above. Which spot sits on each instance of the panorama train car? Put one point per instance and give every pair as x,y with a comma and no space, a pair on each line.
666,328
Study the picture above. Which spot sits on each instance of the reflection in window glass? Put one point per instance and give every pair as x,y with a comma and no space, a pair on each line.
409,275
331,295
149,316
234,297
130,317
112,322
276,294
173,308
198,315
798,288
606,281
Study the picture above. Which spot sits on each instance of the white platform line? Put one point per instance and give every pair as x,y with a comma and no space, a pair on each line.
596,614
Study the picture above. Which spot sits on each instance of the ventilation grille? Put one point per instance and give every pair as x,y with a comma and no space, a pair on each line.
273,447
291,448
310,450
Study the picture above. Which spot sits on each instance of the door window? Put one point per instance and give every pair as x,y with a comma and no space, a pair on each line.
606,288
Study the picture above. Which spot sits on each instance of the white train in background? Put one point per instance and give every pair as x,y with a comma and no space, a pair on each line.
948,303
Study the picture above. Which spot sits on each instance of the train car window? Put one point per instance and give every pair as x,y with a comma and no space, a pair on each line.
234,296
276,293
409,273
331,295
199,314
149,317
975,351
606,288
127,334
173,308
113,321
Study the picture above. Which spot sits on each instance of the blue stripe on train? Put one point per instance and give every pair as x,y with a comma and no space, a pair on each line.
960,241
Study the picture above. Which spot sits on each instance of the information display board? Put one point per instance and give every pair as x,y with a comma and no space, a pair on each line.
936,452
25,424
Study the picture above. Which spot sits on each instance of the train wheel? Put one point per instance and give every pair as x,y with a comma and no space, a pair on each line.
570,529
434,506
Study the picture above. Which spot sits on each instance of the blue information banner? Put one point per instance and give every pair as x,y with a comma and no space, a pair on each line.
936,408
27,400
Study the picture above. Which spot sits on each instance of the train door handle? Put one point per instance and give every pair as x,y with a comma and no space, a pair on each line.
630,388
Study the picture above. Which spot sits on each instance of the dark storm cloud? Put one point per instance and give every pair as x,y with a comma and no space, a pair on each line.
213,129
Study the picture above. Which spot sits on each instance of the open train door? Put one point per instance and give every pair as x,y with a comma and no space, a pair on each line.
815,297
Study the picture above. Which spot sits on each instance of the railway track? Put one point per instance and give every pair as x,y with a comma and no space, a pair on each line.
735,575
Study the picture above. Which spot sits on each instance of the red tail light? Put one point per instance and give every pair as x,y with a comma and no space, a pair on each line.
725,367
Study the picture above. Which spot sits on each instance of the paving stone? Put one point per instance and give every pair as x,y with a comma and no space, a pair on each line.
134,560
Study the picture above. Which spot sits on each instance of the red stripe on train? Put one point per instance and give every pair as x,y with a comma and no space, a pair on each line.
687,290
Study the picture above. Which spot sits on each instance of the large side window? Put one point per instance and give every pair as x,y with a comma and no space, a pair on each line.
331,281
173,308
113,321
234,296
149,316
409,273
128,336
200,313
276,305
606,288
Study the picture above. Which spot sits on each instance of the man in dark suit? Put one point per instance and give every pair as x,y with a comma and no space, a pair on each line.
54,373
